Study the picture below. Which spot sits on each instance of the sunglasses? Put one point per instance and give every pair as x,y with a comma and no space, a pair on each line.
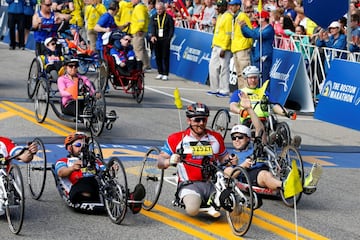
237,137
73,66
52,44
127,39
78,144
48,5
204,119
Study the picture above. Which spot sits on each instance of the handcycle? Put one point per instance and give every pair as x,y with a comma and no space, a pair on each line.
278,132
12,185
133,84
46,93
279,163
238,203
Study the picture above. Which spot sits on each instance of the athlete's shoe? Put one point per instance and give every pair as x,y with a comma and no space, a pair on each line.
137,196
312,179
211,211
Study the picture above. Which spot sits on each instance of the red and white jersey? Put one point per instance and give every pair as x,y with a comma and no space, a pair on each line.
8,148
211,146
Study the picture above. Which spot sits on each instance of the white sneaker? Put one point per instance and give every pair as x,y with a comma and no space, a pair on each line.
159,76
165,78
211,211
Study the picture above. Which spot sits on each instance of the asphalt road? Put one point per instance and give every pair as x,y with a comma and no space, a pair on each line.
331,212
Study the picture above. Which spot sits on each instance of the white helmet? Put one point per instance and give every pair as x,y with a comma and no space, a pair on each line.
241,129
251,71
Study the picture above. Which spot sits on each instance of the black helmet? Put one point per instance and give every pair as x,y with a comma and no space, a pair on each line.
197,110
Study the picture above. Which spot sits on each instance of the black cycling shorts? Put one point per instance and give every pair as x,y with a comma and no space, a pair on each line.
85,185
253,173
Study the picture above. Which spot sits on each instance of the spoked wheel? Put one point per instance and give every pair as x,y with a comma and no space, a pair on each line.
36,171
94,146
138,88
152,178
283,135
41,100
16,199
102,76
240,217
221,122
288,154
99,116
116,194
33,77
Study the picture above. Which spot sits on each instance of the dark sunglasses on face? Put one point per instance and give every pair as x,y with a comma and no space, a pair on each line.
237,137
52,44
48,5
127,39
72,66
204,119
78,144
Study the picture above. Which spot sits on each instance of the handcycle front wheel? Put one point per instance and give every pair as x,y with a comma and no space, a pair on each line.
240,217
33,77
283,134
94,146
99,116
221,122
288,154
152,178
15,207
116,194
36,170
41,100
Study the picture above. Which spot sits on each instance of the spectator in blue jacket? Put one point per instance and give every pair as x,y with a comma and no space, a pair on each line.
336,39
355,33
16,21
262,49
29,10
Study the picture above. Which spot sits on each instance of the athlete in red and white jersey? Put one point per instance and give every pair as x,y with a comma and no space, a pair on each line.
197,145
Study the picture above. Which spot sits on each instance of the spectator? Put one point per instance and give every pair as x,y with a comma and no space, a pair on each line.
122,18
206,23
93,12
240,45
262,49
162,32
63,6
355,33
16,22
289,10
138,29
300,39
286,24
250,12
301,19
29,10
219,71
336,39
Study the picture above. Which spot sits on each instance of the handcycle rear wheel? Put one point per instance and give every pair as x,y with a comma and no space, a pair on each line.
240,217
116,195
33,77
15,207
152,178
36,171
41,100
283,133
221,122
138,88
99,116
288,154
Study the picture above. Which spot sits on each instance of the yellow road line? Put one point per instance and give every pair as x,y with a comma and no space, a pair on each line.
4,115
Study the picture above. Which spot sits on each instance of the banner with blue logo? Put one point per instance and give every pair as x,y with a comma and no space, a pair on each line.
340,97
190,52
289,80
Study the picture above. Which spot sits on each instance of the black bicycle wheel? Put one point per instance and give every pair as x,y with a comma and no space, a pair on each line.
139,88
283,135
288,154
152,178
102,76
240,217
36,171
15,207
41,100
33,77
116,194
98,116
221,122
94,146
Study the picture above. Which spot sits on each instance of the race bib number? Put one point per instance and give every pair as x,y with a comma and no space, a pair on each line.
201,150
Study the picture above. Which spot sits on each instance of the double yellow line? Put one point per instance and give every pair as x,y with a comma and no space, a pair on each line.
213,229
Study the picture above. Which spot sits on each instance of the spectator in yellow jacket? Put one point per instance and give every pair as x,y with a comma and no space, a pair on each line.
93,11
124,15
138,29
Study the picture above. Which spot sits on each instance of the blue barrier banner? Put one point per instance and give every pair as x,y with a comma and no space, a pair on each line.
340,97
190,52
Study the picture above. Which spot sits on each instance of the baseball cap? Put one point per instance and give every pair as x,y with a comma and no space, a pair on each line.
264,14
221,2
49,39
334,24
235,2
241,129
